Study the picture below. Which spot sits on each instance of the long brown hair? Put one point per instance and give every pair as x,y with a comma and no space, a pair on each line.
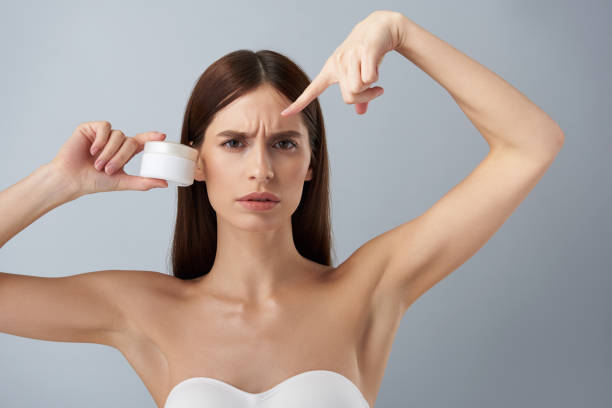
195,235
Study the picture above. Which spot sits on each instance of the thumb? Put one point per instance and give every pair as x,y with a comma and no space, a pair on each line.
129,182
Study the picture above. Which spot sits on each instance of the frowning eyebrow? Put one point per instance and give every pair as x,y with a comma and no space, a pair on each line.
287,133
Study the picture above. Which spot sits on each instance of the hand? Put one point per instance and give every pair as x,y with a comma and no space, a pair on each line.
354,64
113,148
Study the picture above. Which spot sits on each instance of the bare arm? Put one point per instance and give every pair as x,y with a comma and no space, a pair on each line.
522,138
78,308
502,114
83,308
23,203
523,142
93,307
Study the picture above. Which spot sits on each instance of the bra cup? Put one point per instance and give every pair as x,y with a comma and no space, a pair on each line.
318,388
313,391
194,394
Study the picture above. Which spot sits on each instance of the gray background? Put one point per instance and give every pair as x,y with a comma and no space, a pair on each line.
524,322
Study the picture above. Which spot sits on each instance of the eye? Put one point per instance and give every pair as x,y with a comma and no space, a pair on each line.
231,140
294,145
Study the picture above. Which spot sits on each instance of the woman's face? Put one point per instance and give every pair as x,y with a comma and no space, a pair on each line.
233,165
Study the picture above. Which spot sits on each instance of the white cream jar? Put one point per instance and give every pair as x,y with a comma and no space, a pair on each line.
172,161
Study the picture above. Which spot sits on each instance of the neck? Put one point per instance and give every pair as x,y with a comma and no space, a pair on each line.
253,266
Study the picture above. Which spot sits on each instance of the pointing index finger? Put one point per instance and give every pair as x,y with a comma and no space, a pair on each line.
312,91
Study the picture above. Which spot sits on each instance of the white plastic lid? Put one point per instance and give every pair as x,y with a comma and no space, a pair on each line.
171,148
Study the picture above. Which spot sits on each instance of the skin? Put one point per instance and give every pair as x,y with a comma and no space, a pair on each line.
255,253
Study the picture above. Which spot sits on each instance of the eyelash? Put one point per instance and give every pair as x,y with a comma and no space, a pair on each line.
236,140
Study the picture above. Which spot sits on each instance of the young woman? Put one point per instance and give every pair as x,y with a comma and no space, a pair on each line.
254,313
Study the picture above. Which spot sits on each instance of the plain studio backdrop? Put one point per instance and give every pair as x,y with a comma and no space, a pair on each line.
525,322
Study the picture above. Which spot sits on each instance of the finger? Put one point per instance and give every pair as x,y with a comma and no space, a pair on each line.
372,93
122,156
144,137
366,96
130,147
101,130
129,182
347,96
312,91
361,108
354,75
141,139
115,140
369,70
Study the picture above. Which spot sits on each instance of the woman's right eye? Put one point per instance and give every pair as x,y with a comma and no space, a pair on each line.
229,147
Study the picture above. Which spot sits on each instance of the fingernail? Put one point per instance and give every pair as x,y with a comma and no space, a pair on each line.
93,150
109,169
99,164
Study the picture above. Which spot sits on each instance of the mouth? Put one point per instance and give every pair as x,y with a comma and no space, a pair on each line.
258,205
264,196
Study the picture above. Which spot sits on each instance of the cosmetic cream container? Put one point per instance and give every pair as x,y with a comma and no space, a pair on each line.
171,161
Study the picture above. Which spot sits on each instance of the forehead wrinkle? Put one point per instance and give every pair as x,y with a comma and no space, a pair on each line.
255,112
234,133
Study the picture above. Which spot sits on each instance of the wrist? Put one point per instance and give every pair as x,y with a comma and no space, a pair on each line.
406,29
58,185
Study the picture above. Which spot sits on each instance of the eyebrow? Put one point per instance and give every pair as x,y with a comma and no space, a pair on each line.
286,133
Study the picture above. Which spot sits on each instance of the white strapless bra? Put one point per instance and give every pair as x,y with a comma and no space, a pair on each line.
310,389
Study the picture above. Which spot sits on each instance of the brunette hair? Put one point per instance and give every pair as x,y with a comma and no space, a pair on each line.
195,234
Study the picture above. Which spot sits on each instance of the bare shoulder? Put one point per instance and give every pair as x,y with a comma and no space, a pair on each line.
139,285
148,280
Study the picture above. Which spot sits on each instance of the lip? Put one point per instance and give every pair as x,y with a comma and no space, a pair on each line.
255,195
258,205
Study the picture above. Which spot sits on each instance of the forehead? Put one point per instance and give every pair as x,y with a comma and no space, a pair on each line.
256,111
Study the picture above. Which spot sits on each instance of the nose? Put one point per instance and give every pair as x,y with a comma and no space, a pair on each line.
260,167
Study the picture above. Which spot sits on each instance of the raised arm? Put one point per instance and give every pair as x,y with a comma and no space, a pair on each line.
76,308
502,114
26,201
85,308
92,307
411,258
523,141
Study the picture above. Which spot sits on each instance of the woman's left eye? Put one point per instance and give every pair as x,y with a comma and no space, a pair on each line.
294,145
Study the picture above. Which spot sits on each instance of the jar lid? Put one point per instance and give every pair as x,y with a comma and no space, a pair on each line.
171,148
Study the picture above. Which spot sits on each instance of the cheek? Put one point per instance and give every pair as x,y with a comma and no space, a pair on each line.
293,183
220,182
291,174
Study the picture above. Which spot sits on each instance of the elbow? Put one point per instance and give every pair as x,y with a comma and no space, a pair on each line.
559,140
550,145
549,154
547,148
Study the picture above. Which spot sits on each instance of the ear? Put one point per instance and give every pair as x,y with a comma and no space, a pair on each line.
198,173
309,174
